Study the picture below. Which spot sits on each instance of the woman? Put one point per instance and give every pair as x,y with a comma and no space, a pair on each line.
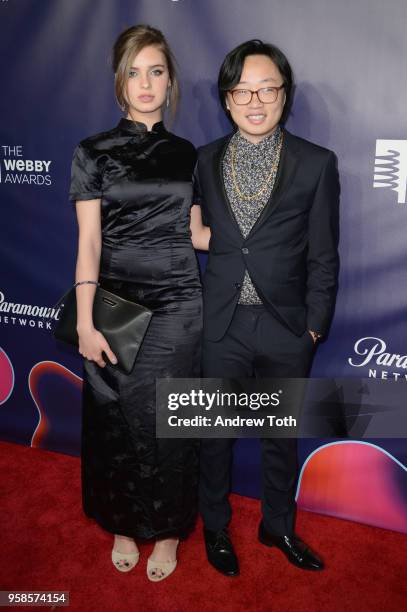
133,186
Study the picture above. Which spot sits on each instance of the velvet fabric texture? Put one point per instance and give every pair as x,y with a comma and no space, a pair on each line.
132,483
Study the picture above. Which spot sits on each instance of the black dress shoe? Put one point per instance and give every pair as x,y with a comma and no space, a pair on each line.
220,552
296,551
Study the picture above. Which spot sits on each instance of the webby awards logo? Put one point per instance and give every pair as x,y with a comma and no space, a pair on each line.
391,167
15,169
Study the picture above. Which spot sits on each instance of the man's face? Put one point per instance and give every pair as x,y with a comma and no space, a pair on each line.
257,119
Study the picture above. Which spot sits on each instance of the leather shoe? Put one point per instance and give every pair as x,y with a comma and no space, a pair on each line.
220,552
296,551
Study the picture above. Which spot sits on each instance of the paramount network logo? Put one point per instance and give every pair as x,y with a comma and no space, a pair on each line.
371,352
26,315
391,167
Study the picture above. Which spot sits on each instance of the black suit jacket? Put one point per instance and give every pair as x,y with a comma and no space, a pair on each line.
291,253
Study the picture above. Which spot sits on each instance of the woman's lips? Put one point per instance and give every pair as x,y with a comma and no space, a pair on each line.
146,98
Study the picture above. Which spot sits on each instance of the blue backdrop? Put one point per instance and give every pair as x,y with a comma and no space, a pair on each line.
57,88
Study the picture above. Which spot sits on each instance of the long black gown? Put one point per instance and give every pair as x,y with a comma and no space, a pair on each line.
132,483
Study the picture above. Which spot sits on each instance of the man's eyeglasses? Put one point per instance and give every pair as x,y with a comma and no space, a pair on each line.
267,95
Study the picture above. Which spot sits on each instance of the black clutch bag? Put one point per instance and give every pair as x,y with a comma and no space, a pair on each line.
123,324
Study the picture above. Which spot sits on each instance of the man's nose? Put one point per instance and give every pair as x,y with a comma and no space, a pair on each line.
255,101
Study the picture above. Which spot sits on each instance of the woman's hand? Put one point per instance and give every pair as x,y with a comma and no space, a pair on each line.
91,345
200,233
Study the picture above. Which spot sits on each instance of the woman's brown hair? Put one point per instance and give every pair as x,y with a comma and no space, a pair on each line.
130,43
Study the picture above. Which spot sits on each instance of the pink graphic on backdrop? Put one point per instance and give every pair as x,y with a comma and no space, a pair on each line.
6,376
51,417
358,481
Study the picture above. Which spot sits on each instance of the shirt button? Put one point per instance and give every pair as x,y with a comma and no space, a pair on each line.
245,251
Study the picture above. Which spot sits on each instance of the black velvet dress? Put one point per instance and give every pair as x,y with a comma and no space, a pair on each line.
132,483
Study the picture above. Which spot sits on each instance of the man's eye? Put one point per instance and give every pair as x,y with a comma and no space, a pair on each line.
267,90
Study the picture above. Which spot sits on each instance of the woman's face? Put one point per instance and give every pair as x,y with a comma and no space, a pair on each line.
147,85
257,120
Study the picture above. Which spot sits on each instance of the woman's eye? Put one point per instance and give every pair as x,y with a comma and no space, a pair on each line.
132,73
157,72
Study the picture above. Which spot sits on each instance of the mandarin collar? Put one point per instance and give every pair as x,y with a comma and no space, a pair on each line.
137,127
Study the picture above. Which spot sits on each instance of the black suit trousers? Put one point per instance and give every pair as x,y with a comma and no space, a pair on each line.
255,344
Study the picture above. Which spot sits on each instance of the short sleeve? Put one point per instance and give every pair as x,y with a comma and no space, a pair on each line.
196,195
86,177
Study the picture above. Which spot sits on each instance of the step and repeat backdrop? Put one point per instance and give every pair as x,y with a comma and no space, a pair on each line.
350,62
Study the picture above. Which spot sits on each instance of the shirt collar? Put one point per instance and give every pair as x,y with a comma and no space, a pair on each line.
267,143
137,127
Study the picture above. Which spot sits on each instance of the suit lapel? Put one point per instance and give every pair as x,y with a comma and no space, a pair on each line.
287,168
218,174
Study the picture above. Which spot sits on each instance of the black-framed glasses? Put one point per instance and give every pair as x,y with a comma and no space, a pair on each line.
267,95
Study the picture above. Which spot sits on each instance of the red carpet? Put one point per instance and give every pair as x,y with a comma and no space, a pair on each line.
48,544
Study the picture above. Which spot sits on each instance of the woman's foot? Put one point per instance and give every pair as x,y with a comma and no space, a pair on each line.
163,560
125,554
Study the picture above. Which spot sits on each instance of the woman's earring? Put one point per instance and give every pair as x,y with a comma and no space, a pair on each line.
168,98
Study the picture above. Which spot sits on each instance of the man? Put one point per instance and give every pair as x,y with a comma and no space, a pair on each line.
271,202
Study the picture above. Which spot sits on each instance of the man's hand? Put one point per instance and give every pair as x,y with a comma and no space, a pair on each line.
315,335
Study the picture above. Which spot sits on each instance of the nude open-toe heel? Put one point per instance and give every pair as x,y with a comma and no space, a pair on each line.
124,562
159,570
